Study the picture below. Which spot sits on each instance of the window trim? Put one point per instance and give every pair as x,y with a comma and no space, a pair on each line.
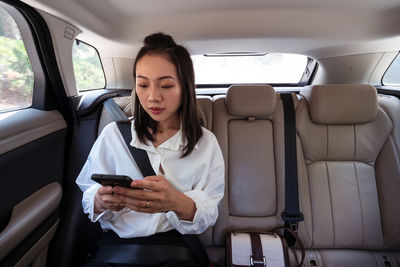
54,95
102,68
226,85
390,85
33,56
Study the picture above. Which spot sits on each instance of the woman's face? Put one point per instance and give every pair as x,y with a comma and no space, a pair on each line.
158,88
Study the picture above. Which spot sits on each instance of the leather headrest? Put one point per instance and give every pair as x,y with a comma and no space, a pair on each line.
253,100
341,104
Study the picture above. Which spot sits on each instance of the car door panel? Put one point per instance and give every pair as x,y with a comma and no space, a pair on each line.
32,145
37,255
77,235
28,215
23,126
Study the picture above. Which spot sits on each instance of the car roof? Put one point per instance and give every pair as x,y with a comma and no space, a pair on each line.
319,29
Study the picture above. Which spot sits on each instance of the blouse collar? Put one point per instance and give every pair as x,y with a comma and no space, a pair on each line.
175,142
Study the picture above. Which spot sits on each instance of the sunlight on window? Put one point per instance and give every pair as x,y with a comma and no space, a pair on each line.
272,68
16,76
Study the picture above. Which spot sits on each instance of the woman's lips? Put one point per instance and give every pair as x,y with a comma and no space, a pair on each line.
156,110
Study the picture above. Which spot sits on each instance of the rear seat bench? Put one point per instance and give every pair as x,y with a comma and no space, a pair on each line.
348,150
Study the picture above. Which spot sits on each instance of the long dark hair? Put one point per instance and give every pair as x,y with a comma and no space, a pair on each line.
163,44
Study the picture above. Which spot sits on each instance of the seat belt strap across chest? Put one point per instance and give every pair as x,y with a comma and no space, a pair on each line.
142,161
139,155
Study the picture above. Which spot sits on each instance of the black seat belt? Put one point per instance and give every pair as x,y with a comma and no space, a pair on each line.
139,155
139,254
142,161
292,215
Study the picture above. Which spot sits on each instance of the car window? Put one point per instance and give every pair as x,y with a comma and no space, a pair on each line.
88,69
272,68
16,76
392,75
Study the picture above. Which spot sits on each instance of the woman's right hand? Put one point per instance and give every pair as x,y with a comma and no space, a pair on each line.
106,200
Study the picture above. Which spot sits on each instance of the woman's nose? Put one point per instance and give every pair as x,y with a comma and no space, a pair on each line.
154,95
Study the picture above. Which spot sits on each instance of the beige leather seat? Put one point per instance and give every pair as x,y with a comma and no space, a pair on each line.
349,176
348,162
248,123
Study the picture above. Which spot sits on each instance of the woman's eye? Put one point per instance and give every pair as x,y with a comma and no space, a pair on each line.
142,85
166,86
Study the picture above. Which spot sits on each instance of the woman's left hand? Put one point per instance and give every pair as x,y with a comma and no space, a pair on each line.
159,196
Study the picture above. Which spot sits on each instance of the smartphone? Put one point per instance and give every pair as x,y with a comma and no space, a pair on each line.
112,179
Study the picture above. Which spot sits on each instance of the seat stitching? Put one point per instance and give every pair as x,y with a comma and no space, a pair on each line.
330,198
327,142
355,141
359,196
299,109
310,238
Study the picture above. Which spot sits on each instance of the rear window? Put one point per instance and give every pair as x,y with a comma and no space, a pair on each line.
392,75
272,68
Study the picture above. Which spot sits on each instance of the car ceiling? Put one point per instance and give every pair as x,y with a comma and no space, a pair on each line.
316,28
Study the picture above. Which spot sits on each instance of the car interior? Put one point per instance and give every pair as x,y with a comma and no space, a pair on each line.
66,71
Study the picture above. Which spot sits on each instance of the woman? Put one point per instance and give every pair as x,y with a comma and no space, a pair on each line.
184,195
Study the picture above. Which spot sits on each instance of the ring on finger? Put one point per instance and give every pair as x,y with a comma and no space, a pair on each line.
147,204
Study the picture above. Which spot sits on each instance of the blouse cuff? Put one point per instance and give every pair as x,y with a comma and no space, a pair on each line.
88,205
200,222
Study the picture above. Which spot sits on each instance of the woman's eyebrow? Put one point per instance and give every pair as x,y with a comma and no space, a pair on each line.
166,77
160,78
143,77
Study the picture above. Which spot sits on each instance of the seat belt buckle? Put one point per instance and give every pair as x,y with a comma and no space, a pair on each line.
293,226
253,261
292,220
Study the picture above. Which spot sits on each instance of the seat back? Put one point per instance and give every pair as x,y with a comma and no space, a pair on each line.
341,134
248,123
387,171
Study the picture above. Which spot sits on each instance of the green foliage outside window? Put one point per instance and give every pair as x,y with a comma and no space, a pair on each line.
87,67
16,76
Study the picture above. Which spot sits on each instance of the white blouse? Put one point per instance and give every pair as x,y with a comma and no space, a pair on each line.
200,176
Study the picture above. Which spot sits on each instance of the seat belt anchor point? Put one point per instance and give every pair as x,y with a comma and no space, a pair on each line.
292,220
